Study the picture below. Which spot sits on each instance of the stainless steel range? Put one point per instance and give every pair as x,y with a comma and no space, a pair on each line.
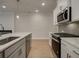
56,41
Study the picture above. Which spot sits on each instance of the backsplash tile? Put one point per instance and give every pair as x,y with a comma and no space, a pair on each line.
72,28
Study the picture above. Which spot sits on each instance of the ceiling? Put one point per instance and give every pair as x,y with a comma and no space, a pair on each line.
28,5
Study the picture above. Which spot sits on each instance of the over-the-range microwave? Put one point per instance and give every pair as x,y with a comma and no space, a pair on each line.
64,16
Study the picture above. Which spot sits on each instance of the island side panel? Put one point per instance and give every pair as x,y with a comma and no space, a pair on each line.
28,44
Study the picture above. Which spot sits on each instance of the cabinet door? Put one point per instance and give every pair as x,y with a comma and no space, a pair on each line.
19,53
12,48
64,51
68,51
62,4
65,3
55,12
28,44
1,55
22,53
75,10
74,54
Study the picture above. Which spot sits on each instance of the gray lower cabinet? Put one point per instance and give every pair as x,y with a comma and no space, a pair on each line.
64,51
73,54
20,49
19,53
68,51
10,50
28,44
1,54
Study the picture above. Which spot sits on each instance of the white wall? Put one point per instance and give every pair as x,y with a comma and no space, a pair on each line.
40,24
7,20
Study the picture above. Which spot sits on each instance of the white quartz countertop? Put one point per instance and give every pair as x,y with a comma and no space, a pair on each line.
72,41
20,35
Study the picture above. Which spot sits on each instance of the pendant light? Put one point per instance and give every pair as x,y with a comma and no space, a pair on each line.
17,12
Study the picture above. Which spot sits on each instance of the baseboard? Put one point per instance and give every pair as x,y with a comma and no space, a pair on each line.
40,38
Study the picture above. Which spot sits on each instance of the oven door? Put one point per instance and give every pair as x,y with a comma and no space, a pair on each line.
56,47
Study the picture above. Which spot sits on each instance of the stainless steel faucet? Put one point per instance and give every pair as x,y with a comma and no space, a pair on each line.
2,27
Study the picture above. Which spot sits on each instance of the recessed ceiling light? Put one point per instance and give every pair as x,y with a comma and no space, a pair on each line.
36,10
17,16
3,6
43,4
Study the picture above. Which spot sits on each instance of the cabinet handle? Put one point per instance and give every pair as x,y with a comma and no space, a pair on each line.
76,52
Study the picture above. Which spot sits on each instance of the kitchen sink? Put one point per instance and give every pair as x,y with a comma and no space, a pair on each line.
6,40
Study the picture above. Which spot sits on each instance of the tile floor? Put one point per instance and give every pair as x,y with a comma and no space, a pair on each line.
40,49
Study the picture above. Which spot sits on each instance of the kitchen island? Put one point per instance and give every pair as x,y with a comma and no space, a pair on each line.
17,48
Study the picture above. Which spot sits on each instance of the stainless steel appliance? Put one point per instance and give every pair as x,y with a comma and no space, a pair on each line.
56,45
56,41
64,15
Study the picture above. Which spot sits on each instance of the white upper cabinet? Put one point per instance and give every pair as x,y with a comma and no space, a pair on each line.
62,4
75,10
55,12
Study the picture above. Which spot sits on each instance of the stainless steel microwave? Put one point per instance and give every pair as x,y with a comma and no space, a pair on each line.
64,16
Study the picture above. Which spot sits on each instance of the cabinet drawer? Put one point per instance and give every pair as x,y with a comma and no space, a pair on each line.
74,54
19,53
11,49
